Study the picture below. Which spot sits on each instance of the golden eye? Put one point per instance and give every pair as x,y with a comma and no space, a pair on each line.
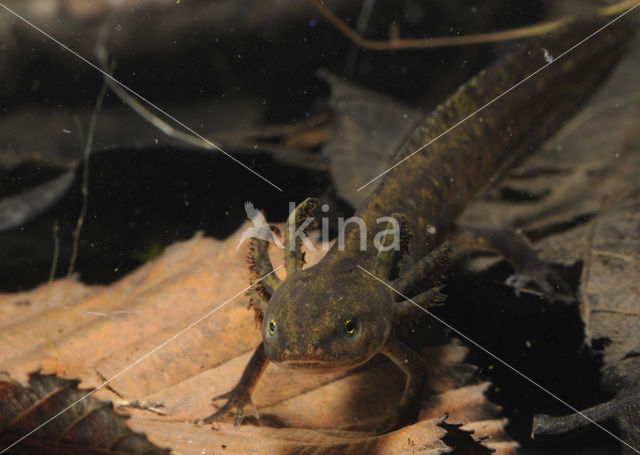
351,326
272,326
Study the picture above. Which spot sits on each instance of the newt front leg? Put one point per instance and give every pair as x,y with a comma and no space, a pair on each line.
239,398
406,412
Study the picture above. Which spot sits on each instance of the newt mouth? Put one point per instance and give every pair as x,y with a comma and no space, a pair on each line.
310,366
313,366
302,363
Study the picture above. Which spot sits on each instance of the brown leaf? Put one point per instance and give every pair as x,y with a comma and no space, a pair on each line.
90,426
113,332
365,132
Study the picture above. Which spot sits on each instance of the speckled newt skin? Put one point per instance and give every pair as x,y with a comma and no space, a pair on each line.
333,315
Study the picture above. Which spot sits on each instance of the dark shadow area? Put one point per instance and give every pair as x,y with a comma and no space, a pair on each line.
140,201
543,341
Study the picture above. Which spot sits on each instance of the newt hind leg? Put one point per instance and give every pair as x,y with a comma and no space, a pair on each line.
515,248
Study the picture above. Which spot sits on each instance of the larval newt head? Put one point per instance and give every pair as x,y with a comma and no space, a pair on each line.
327,317
336,315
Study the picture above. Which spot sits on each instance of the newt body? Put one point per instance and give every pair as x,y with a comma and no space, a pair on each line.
334,316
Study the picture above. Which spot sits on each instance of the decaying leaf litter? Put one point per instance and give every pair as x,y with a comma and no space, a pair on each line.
187,278
543,231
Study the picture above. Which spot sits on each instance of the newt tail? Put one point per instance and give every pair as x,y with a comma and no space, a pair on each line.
437,183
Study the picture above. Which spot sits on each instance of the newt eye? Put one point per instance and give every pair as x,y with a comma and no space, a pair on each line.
272,326
350,327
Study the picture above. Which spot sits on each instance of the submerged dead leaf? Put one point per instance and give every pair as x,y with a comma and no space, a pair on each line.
366,130
89,427
19,209
133,333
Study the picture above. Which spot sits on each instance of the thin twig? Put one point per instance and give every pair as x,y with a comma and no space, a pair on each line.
462,40
85,176
56,254
52,276
101,54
